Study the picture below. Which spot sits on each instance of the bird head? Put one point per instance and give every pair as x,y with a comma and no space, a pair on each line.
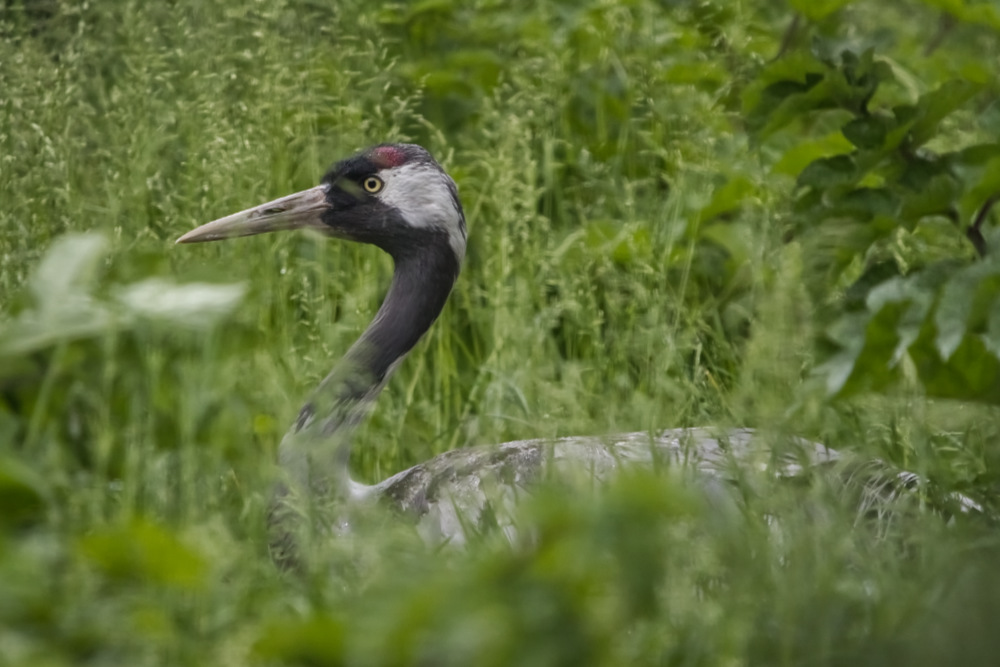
394,196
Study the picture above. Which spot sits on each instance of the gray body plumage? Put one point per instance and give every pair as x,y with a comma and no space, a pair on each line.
397,197
455,491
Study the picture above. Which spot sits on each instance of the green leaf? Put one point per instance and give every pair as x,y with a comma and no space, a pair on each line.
191,305
318,640
777,116
967,301
971,373
624,244
817,10
706,75
64,310
423,7
144,551
911,323
867,131
875,274
863,204
991,339
946,321
983,187
23,493
936,197
67,269
781,92
905,116
981,13
795,72
867,346
872,343
976,156
35,330
728,238
934,106
727,199
827,172
796,158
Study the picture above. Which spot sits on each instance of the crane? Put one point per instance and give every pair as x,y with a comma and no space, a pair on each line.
398,198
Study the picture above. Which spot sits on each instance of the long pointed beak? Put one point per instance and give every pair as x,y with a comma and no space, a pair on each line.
298,211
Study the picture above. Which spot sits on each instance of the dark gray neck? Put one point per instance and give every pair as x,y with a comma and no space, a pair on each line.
420,287
316,450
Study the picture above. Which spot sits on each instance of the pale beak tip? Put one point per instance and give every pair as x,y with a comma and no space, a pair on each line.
198,235
296,211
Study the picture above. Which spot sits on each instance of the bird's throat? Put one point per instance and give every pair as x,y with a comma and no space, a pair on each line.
420,287
316,451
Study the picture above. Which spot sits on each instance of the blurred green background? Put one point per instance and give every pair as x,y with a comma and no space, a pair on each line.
683,212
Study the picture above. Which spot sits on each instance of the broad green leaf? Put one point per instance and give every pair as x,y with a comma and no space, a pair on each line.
775,97
991,339
911,323
796,158
875,274
423,7
936,197
978,168
794,73
894,290
915,304
777,115
35,330
64,309
872,343
981,13
934,106
836,370
962,305
848,333
67,269
905,116
984,186
918,170
867,131
318,640
970,373
190,305
23,493
144,551
817,10
863,204
705,75
727,198
868,343
729,238
975,156
828,172
876,365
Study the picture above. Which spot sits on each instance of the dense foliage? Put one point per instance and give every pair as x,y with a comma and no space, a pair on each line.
778,214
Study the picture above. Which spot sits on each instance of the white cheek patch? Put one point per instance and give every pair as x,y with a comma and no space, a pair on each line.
422,194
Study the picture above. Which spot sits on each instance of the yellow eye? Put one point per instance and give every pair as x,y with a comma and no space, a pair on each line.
373,184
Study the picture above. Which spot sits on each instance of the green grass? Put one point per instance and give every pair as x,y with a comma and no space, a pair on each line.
588,140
